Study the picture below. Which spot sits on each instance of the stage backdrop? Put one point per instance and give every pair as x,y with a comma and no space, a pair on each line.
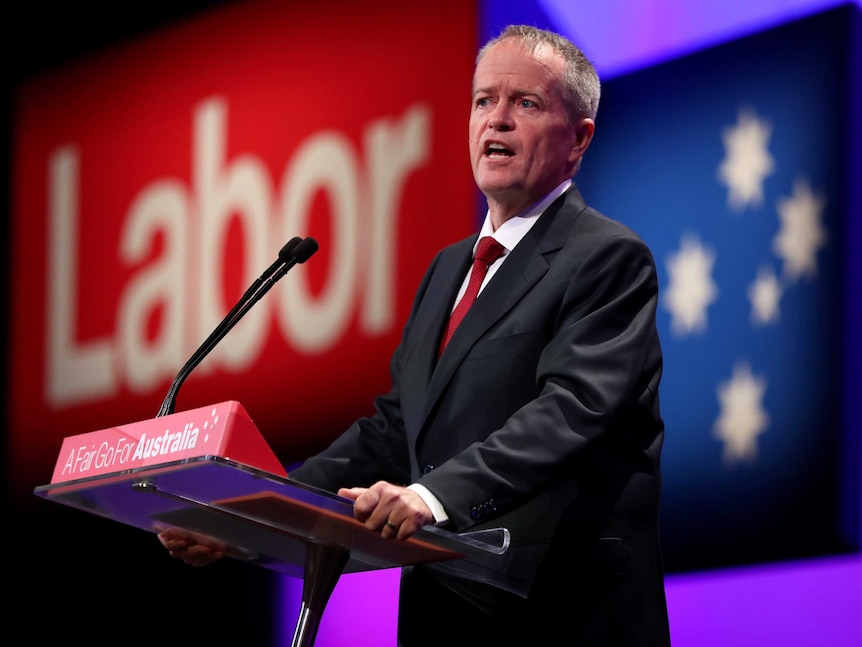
154,183
173,143
736,166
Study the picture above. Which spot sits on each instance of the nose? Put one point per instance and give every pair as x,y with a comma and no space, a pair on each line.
501,118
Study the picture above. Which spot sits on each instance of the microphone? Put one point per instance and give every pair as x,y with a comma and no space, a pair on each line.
284,254
296,250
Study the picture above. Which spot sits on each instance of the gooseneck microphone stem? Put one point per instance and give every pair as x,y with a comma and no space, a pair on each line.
295,251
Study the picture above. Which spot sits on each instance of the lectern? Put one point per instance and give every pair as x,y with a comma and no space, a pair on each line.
209,471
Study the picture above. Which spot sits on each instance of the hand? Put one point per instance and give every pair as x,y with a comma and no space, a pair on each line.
392,510
191,547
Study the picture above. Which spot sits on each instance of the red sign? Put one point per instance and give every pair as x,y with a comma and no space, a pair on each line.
223,429
154,183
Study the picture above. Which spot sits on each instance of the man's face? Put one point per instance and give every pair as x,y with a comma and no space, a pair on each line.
521,143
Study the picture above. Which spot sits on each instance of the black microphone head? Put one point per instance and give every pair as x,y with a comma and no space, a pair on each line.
286,252
303,251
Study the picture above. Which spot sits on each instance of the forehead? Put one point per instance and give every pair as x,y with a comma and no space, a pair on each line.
512,64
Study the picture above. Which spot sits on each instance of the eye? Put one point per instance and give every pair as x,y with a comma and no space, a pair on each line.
527,103
481,102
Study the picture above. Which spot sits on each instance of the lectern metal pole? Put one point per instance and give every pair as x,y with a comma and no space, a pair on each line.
324,564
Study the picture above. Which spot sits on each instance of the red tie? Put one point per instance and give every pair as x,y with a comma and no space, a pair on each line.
488,251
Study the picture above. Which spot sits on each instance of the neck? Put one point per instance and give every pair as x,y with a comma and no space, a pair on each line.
500,212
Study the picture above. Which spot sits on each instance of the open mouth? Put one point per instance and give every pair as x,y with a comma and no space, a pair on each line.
493,149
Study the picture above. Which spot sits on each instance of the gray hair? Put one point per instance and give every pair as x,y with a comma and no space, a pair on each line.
580,88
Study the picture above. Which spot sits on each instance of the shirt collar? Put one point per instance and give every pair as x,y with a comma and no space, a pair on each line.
514,229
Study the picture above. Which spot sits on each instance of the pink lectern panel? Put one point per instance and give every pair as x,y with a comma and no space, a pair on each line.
224,429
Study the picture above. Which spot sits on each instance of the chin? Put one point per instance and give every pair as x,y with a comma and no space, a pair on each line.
498,189
494,182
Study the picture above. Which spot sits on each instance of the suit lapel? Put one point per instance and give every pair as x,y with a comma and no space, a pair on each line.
428,326
523,268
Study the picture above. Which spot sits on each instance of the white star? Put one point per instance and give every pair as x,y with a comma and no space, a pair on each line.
801,233
691,288
742,417
765,295
747,161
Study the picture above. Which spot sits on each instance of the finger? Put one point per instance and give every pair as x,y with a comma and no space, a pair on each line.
390,529
366,508
174,545
386,505
351,493
200,555
166,537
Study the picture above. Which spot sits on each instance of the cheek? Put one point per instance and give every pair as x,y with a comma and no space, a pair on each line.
553,150
474,147
473,131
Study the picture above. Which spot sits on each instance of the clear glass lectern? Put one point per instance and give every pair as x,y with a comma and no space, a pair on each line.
266,519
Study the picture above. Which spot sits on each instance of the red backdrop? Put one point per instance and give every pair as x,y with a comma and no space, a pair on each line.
153,183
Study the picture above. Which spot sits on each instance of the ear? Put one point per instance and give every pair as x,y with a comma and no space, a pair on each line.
583,136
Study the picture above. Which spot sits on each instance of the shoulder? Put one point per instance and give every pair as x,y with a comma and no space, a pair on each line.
456,250
587,228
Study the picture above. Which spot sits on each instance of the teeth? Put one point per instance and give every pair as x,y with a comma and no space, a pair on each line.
496,149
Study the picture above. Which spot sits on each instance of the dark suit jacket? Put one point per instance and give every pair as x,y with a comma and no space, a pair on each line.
541,416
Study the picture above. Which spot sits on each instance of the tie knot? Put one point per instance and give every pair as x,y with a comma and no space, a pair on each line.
489,250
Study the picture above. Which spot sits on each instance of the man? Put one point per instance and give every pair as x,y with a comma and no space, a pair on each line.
541,415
